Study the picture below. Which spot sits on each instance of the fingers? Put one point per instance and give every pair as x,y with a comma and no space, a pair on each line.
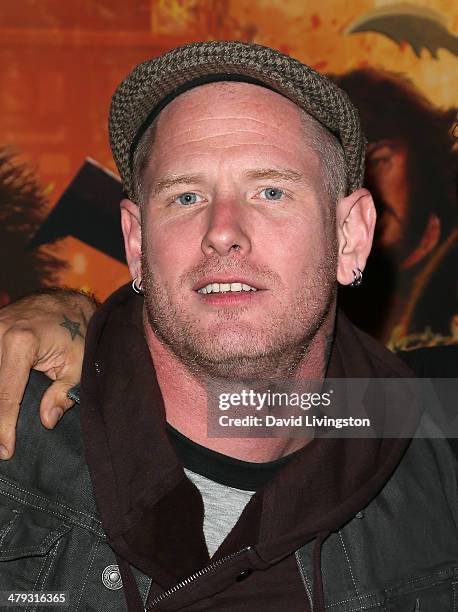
8,418
17,359
55,403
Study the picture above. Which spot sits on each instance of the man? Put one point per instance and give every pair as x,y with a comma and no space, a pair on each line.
411,171
243,173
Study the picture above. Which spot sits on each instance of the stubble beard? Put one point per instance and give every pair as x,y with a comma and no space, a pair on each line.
272,352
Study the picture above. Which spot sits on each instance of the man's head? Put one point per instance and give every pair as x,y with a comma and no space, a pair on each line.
411,162
241,188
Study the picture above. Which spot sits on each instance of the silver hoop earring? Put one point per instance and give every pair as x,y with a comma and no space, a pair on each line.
358,278
137,288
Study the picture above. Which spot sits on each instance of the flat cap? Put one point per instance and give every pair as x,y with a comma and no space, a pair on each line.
154,83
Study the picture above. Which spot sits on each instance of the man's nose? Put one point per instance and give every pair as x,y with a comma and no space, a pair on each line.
225,229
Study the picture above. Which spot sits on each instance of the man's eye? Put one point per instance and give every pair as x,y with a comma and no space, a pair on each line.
272,193
187,198
375,161
379,155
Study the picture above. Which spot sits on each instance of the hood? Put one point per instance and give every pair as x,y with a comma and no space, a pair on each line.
153,515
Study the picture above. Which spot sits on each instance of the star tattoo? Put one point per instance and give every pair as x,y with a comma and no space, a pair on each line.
72,326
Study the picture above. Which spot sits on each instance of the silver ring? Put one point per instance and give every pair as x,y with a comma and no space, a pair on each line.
358,278
137,288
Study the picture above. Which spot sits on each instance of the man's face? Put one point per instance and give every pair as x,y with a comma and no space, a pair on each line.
387,172
236,198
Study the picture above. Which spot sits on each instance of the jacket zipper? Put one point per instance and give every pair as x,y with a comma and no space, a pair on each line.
302,573
199,574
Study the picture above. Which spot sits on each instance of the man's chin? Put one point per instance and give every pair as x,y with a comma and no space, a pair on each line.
241,362
234,368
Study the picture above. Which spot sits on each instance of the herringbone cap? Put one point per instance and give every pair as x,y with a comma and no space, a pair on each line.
155,82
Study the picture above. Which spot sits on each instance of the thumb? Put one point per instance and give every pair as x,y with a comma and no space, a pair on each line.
55,403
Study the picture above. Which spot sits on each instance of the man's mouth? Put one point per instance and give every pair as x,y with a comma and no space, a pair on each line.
236,287
227,284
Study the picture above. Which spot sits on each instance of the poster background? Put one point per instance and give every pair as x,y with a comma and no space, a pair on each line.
61,61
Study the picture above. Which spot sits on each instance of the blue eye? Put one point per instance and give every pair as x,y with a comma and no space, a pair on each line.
272,193
187,198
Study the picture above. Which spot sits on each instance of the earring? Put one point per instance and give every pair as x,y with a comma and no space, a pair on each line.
358,278
137,288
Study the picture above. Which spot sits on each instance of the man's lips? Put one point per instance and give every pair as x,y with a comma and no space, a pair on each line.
227,280
228,297
231,298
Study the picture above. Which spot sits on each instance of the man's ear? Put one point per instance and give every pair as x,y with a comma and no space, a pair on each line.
132,232
355,217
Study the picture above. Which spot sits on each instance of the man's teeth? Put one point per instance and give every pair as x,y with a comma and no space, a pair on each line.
225,287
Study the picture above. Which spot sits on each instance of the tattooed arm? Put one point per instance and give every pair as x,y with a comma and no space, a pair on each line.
45,331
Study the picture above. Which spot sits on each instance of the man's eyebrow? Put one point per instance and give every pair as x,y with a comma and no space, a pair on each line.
276,174
258,174
171,181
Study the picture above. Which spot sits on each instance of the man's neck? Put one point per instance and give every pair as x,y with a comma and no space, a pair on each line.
185,398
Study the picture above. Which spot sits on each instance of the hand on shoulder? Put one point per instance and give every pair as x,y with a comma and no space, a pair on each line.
44,331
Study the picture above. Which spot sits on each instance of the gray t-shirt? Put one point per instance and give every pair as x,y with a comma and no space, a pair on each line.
222,507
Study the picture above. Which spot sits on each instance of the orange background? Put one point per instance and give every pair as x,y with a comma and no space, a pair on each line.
61,61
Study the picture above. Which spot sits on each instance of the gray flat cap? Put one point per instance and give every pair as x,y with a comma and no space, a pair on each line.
154,83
